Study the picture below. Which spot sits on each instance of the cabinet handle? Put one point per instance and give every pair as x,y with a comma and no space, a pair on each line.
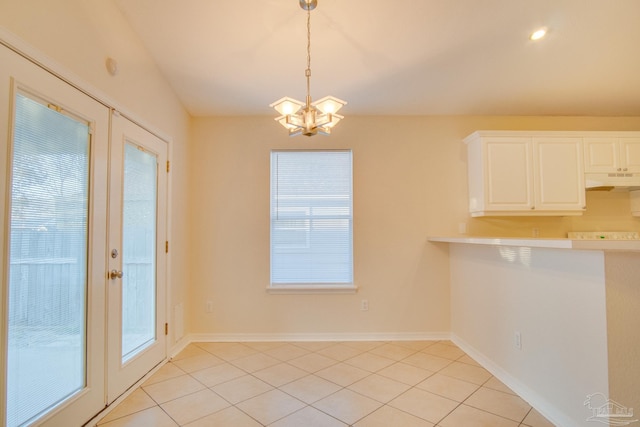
533,207
619,169
625,169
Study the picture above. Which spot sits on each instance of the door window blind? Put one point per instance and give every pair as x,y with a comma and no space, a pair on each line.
47,293
311,217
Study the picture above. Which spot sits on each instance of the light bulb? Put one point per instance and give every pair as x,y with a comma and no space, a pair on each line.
538,34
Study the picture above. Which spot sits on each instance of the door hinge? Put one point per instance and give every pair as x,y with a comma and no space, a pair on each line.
166,247
166,329
55,108
168,166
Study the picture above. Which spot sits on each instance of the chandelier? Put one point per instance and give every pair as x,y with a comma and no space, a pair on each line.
308,118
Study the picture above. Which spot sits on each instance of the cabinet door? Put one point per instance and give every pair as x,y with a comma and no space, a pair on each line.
508,174
630,154
601,154
558,174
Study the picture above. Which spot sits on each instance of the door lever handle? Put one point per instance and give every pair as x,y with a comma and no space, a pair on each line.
115,274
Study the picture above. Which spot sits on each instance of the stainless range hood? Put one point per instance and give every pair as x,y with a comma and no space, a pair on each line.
622,181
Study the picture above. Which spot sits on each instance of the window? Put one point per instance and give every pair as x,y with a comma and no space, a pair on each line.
311,220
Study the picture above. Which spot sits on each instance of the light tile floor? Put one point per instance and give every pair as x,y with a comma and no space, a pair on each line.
323,384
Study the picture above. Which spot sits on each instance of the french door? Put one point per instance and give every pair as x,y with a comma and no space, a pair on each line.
67,201
54,145
137,255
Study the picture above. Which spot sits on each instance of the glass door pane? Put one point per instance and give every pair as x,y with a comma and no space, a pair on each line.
49,220
139,251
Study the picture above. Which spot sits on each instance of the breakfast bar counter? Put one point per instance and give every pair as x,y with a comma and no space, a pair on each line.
557,243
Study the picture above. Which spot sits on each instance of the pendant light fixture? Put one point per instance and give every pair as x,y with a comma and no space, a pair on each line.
308,118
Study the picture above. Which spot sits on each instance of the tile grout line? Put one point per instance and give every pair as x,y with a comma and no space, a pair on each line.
337,360
411,387
479,409
278,387
369,373
502,392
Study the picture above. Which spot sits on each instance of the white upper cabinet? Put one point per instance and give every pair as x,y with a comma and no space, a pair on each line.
520,173
500,176
612,154
558,174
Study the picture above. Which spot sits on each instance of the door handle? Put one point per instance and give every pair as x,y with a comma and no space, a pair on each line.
115,274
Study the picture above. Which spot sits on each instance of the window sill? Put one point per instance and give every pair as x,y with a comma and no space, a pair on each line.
312,289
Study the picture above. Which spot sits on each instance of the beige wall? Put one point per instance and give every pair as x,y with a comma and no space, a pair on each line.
409,183
409,176
79,35
403,277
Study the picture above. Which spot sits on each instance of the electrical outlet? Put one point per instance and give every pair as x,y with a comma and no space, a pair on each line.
364,305
209,307
462,227
518,340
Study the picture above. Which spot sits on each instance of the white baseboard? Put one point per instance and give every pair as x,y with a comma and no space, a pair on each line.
178,347
329,336
542,405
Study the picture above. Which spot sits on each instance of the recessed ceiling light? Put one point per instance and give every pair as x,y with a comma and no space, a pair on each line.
538,34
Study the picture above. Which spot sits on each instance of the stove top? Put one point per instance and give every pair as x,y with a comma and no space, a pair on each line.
603,235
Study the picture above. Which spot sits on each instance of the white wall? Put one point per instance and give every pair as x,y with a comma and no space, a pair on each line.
622,271
556,299
78,36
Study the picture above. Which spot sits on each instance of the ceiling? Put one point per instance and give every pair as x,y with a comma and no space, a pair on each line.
398,57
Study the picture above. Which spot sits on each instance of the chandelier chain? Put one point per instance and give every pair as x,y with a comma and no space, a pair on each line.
308,70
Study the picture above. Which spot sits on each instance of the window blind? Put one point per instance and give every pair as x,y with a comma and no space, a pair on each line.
311,217
48,260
